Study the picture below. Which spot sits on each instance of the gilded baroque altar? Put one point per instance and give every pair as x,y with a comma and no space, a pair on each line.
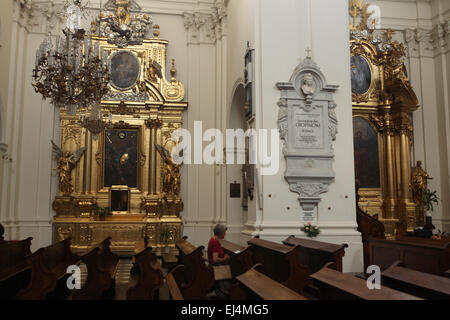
146,109
383,105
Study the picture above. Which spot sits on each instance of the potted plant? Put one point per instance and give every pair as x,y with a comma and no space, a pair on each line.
430,199
101,213
165,236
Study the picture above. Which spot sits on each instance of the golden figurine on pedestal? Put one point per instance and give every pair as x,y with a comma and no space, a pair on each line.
172,175
123,12
66,163
419,183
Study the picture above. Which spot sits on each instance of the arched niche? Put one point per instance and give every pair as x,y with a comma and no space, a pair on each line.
237,173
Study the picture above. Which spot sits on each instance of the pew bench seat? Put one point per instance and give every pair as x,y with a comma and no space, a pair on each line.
423,285
265,288
335,285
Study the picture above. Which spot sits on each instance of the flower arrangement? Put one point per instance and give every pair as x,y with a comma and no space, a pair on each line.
311,231
440,236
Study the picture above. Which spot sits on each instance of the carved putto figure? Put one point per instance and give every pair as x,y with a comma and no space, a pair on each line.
67,161
122,29
419,183
172,175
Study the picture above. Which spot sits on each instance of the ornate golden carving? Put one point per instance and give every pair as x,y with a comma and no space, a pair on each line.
154,123
387,105
358,9
171,175
64,231
419,183
66,163
154,107
71,131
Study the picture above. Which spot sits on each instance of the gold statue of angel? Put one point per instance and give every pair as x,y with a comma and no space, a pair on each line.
419,183
172,175
67,161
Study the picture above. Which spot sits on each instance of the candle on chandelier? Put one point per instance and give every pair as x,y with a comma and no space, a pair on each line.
96,49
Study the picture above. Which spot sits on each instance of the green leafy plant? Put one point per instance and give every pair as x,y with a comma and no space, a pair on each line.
165,235
311,231
429,199
101,212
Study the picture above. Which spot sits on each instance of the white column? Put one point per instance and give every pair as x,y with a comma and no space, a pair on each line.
287,29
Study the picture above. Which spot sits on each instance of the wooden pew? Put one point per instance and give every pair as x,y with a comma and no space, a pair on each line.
2,233
146,276
425,255
423,285
174,281
240,257
335,285
15,273
102,267
256,285
316,254
198,279
48,276
281,263
369,227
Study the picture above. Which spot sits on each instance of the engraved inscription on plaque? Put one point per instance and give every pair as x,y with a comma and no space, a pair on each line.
309,128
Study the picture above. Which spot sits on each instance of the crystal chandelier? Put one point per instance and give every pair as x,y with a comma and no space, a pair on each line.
73,74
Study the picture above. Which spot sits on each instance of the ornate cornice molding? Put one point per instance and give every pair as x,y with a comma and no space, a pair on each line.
206,27
39,17
428,42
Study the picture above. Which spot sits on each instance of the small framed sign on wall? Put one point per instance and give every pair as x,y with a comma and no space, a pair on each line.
235,190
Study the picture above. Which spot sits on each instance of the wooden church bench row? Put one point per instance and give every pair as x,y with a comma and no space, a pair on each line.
407,281
412,252
420,284
255,285
49,272
15,273
43,274
197,278
146,276
335,285
102,267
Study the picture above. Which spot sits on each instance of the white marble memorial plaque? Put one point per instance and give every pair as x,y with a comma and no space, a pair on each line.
308,125
309,128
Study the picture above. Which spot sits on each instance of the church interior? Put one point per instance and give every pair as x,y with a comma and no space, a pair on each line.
225,150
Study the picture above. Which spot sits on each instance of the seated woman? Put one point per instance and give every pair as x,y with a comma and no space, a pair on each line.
217,257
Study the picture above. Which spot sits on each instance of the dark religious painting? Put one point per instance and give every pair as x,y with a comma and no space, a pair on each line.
367,165
119,200
121,155
361,75
125,70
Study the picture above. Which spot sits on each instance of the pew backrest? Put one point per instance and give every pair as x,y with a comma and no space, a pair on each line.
198,278
281,263
13,257
146,276
425,255
316,254
240,257
174,282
